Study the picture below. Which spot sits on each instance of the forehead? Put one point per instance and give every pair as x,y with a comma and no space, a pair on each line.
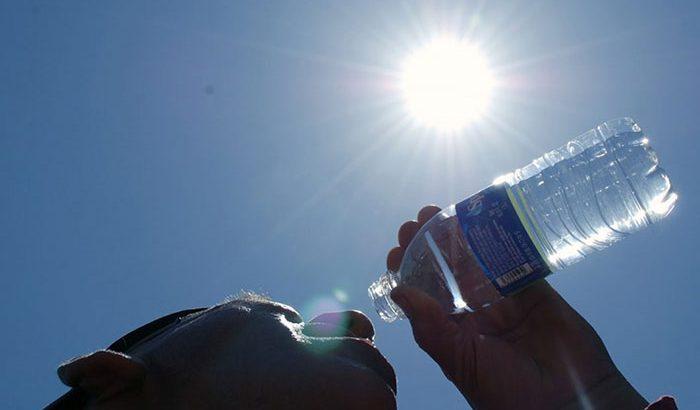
239,310
242,308
241,321
257,305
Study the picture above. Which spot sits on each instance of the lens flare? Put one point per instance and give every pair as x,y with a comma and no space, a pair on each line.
341,295
319,305
328,327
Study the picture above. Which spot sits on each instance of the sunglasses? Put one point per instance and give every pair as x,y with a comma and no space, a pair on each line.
76,398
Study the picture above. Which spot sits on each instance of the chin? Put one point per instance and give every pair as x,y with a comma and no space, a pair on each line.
363,389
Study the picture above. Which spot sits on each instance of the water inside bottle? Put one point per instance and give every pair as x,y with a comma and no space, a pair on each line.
594,191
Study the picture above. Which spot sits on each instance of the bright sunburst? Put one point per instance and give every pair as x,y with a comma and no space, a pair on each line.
447,84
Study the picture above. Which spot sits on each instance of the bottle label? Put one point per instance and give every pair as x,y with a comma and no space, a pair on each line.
496,234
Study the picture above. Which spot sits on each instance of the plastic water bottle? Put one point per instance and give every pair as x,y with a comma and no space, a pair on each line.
600,187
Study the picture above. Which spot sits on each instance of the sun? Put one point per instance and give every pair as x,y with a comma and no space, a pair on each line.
447,84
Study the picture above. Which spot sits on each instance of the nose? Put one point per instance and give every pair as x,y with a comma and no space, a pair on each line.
351,323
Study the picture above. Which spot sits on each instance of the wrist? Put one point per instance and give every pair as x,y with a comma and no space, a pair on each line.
613,392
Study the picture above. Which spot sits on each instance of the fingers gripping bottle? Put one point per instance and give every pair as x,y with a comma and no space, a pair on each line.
600,187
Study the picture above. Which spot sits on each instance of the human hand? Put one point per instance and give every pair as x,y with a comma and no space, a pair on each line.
528,351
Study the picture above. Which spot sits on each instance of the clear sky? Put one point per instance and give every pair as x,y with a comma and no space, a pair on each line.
160,156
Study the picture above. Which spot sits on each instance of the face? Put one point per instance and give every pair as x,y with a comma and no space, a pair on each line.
261,354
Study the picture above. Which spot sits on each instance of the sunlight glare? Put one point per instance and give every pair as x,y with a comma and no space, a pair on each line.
447,84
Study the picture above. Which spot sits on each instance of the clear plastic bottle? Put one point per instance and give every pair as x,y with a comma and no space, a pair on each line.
600,187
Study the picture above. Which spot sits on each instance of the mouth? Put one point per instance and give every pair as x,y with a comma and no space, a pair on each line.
362,352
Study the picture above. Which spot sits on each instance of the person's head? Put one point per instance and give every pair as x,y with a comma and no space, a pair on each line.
249,352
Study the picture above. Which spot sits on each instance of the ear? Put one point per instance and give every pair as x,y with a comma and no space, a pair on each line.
103,373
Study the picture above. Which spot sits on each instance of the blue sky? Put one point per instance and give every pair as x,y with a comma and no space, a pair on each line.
160,156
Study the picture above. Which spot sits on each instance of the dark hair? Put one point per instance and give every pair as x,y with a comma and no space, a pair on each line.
76,398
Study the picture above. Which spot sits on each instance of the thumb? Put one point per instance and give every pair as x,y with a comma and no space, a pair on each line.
419,307
433,330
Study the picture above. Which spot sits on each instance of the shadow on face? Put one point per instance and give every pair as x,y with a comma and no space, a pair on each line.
256,353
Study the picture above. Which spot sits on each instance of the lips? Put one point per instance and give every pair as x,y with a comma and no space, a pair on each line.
356,348
363,352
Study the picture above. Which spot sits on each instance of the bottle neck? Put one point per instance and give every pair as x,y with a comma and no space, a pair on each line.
380,293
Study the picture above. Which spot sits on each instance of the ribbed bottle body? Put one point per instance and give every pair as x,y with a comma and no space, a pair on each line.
597,189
